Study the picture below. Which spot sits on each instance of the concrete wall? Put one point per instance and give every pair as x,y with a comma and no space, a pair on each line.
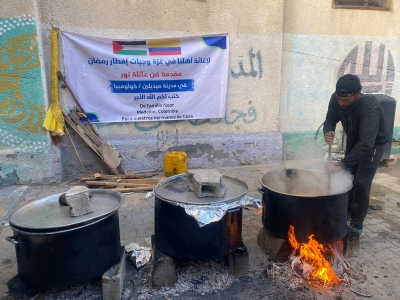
25,151
249,133
319,45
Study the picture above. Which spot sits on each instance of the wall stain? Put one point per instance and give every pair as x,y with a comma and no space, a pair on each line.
193,151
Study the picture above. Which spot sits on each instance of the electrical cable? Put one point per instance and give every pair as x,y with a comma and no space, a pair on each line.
319,146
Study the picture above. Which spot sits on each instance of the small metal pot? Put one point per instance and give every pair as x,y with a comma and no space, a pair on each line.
301,198
67,254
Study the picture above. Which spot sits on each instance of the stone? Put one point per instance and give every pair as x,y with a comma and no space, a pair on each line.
16,285
205,183
110,155
112,281
351,243
163,273
79,201
275,247
239,262
389,162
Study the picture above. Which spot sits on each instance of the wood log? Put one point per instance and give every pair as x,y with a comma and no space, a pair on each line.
114,177
117,184
129,190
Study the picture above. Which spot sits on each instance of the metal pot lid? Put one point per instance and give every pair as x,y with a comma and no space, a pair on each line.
176,189
48,214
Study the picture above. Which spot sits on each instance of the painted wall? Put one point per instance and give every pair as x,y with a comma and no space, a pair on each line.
25,152
319,45
249,133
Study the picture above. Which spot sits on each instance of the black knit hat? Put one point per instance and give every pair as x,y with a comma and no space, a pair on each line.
348,85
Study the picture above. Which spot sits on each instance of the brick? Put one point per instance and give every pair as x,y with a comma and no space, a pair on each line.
113,279
239,262
163,273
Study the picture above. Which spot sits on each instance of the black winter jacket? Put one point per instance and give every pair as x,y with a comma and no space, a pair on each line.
363,123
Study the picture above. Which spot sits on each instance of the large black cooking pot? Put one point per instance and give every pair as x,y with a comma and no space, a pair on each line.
178,234
306,200
54,249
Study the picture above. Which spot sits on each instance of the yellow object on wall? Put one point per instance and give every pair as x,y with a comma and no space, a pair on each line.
54,121
175,162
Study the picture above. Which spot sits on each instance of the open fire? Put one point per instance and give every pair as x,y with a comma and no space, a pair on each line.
308,260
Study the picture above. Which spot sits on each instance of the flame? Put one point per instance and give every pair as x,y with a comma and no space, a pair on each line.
258,212
312,254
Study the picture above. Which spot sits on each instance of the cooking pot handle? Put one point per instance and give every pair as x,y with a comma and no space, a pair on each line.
12,240
261,191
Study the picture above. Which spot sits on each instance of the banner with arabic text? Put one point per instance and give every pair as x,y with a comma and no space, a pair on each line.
147,80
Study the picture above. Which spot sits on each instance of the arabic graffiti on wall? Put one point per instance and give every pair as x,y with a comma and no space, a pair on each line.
22,109
373,63
253,73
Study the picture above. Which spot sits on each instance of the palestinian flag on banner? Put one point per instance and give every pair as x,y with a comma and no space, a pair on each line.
164,47
130,48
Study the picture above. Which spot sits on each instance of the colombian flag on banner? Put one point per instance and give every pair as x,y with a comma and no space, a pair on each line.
150,47
164,47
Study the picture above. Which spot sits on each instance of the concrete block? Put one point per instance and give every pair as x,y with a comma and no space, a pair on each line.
112,281
16,285
277,249
163,272
110,155
205,183
351,243
239,262
389,162
79,201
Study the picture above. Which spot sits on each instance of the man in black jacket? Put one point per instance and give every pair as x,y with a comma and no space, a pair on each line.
363,121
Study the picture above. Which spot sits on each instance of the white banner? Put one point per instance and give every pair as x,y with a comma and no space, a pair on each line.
147,80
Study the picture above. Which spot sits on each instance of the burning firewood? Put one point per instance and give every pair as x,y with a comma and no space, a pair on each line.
310,262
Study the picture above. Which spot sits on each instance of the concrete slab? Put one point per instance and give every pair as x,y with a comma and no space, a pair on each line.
375,269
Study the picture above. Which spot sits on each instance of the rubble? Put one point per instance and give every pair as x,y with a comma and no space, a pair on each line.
205,183
79,201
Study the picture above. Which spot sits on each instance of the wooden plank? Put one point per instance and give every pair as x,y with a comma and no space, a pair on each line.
116,184
130,190
114,177
82,136
92,136
90,144
153,181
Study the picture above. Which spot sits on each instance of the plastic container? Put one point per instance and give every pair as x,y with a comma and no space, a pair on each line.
389,109
175,162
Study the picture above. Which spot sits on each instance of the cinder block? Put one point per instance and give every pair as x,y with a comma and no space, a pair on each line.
277,249
351,243
113,279
17,285
205,183
239,262
164,270
79,201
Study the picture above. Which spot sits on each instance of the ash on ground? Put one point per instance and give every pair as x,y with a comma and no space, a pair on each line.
201,277
90,290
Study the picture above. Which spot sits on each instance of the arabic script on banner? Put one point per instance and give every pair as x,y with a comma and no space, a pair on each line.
148,80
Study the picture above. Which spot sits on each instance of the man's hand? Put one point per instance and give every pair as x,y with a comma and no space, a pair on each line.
329,136
331,167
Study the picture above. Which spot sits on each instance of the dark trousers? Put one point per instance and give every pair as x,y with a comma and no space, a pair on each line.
363,173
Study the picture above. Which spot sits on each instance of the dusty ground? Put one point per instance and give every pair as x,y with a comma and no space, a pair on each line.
373,273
